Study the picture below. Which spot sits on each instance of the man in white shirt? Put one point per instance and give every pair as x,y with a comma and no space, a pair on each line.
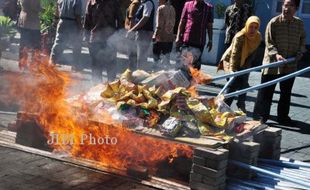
145,23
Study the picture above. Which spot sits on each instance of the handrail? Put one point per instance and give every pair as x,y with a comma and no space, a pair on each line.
260,170
226,85
263,85
245,71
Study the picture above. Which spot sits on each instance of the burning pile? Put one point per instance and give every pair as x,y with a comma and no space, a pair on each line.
161,100
44,91
98,125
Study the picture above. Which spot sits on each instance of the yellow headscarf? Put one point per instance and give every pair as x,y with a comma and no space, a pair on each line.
251,42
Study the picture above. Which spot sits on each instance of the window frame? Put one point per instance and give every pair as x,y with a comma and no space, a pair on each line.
274,8
305,15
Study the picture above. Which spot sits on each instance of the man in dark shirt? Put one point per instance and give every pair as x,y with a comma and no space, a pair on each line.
178,6
68,32
235,18
102,19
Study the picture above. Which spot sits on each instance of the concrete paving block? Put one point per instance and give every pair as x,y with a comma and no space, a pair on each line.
211,154
271,144
250,147
198,160
195,177
270,153
207,171
214,181
244,152
272,131
216,165
213,164
243,147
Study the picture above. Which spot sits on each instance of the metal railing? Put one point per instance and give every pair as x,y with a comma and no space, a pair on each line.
245,71
263,85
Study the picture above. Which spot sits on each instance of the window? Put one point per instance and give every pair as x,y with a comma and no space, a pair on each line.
305,9
279,6
276,7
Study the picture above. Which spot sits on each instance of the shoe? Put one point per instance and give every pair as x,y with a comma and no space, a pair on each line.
284,120
242,109
241,106
261,119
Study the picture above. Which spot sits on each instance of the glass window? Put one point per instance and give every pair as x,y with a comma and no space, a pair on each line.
306,7
279,6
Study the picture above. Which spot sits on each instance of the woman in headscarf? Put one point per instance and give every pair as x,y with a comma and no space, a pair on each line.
239,56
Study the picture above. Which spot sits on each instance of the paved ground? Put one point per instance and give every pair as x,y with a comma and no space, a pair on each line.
23,171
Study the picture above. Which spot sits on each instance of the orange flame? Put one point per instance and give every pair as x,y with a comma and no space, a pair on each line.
199,76
44,92
193,91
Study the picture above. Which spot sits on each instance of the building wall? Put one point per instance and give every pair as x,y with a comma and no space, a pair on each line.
266,9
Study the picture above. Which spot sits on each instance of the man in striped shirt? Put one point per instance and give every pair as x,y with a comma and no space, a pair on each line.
196,19
285,37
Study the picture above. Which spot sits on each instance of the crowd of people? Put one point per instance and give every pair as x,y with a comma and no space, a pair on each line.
160,25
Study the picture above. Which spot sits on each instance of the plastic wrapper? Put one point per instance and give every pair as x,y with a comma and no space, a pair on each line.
221,105
127,75
115,85
132,122
169,96
235,122
138,98
107,92
200,111
152,119
156,79
177,79
127,86
171,127
139,75
190,128
205,129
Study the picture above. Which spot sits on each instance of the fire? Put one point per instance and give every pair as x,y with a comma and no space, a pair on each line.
44,91
193,90
199,76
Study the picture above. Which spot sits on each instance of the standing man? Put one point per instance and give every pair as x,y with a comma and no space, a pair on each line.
68,31
10,9
235,17
29,27
144,28
129,24
163,36
178,6
102,19
285,37
196,19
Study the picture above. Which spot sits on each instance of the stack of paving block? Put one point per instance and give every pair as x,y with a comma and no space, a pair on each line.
29,133
270,143
209,169
246,152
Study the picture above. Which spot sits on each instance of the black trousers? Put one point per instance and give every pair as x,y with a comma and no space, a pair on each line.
164,48
265,95
29,40
103,56
240,82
